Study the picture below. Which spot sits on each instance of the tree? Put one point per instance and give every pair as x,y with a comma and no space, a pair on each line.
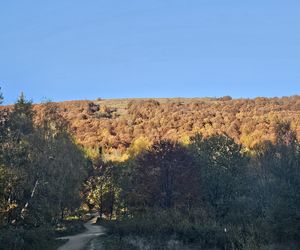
138,146
17,130
223,170
1,96
44,169
165,176
102,189
65,166
3,119
278,166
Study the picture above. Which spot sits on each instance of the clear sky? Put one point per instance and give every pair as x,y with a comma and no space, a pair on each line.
66,50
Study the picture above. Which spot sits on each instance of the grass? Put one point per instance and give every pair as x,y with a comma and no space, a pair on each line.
164,231
69,227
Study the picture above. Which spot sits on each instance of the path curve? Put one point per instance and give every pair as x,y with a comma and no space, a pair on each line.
79,241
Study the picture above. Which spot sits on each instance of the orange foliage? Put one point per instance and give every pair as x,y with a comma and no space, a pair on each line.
116,124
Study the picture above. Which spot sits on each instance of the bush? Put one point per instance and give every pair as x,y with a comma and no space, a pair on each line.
162,226
70,228
13,238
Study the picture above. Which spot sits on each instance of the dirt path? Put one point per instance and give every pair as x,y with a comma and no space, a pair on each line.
79,241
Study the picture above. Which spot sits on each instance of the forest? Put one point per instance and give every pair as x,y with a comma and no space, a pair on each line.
209,173
118,125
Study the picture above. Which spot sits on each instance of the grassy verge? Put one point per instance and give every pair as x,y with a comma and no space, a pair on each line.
166,230
34,238
69,227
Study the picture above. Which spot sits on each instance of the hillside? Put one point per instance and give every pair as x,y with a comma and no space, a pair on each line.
114,124
168,192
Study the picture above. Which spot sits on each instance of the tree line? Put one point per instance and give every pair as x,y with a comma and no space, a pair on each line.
212,193
115,125
41,174
209,193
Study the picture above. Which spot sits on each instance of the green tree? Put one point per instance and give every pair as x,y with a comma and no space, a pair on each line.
278,166
102,189
44,168
63,162
1,96
223,169
165,176
17,130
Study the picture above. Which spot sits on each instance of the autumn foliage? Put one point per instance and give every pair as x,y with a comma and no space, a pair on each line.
114,125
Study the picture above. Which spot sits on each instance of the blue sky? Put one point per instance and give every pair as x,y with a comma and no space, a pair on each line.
66,50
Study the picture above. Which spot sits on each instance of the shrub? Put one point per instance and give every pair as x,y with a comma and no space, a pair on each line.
22,238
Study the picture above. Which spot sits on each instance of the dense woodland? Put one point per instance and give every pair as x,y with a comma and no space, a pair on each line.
172,174
116,125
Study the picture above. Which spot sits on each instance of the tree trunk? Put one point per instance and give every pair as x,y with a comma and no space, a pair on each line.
112,203
62,214
101,203
27,203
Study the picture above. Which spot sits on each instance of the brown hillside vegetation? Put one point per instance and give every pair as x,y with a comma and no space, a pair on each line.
116,125
185,193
